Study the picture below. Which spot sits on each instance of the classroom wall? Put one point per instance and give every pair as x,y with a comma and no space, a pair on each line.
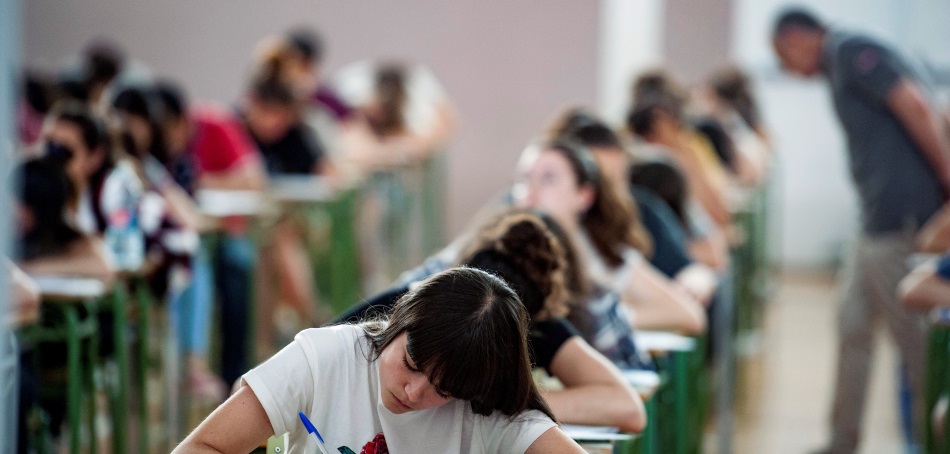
697,36
630,41
508,65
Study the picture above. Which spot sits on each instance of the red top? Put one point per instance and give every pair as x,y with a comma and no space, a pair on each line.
220,142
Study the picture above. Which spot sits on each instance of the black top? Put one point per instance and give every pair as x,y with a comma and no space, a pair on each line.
670,246
544,340
297,153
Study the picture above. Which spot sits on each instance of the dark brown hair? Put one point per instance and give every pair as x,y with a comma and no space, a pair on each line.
43,188
94,135
587,128
611,220
390,89
732,86
658,82
519,248
467,330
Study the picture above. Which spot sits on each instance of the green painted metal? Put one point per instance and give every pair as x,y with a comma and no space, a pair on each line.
91,389
73,324
937,383
144,299
433,204
74,377
120,406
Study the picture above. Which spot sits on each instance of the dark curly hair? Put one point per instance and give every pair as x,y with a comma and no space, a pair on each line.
519,244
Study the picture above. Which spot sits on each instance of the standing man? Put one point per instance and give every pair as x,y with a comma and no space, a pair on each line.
898,156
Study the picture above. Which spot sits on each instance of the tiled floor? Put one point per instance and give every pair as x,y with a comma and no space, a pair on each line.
789,386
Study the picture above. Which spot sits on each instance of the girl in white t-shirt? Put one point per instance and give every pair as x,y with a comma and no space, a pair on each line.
561,178
448,372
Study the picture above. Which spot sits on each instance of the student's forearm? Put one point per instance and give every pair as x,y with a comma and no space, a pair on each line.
240,424
246,175
924,127
925,290
935,236
711,250
658,304
193,447
664,319
240,181
600,405
181,207
699,281
92,267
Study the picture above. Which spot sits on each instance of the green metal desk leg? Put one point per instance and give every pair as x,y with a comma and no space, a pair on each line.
680,381
143,297
936,371
652,431
74,378
93,360
120,417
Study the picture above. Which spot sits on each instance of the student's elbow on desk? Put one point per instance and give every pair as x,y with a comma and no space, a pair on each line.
924,290
631,416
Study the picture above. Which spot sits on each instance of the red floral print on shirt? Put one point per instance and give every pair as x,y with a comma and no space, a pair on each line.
377,446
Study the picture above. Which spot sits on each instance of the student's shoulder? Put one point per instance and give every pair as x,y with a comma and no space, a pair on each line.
330,339
516,432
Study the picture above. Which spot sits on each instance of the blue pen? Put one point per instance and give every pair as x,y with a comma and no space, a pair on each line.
313,431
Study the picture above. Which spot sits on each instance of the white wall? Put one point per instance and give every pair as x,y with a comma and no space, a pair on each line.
817,209
631,33
509,66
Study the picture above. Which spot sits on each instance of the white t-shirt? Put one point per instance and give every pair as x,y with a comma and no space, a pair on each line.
613,279
325,374
121,186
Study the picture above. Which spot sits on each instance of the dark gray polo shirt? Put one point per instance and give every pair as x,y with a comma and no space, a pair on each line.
896,185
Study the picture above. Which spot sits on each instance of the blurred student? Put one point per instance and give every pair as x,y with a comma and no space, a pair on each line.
183,272
900,164
447,372
38,94
87,80
403,115
272,115
730,101
561,178
928,285
655,117
46,243
670,247
208,148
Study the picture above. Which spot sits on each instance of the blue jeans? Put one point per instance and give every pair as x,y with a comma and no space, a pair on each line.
192,307
234,263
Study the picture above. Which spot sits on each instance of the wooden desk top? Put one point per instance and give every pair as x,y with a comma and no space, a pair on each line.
69,288
302,188
662,341
595,439
230,202
645,382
